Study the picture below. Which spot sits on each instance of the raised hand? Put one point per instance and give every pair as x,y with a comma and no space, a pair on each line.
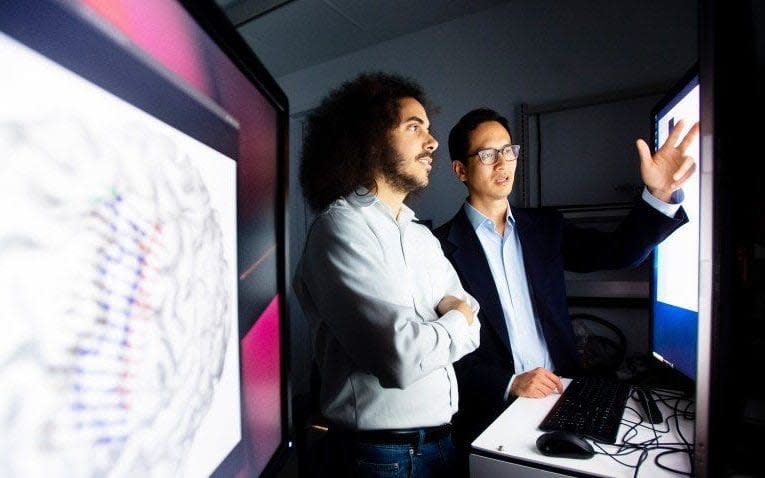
670,166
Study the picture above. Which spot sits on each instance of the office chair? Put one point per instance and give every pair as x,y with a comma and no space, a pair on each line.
600,344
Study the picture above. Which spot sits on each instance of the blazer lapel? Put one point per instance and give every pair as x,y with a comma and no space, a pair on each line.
469,258
525,225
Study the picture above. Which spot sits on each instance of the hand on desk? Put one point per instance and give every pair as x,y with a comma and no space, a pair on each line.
537,383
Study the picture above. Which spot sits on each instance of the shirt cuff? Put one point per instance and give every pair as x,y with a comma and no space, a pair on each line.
668,209
465,338
509,387
474,330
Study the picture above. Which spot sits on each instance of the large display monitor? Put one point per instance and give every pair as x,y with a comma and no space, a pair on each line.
142,245
675,274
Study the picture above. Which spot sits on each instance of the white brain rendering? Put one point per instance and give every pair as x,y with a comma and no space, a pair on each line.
113,296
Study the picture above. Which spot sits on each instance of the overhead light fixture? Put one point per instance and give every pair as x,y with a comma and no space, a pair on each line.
245,11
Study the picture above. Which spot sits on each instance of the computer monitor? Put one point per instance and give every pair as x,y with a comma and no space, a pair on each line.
675,273
142,244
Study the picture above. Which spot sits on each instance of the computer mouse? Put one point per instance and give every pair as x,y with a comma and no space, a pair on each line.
565,445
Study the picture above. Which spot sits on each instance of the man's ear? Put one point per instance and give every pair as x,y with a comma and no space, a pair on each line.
459,170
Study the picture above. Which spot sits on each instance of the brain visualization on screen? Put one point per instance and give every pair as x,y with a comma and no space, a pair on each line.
139,264
675,281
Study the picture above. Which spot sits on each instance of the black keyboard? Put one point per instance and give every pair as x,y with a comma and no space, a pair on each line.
591,407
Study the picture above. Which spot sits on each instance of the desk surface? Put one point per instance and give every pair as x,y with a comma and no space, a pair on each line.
511,440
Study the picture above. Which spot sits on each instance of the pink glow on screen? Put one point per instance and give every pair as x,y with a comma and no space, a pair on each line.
258,146
261,380
163,30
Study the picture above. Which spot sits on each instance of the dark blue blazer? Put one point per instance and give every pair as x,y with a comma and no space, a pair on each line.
550,245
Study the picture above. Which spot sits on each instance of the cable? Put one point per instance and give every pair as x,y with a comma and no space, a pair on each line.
673,470
681,407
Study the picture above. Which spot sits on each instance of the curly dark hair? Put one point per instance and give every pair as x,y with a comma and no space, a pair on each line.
459,136
347,137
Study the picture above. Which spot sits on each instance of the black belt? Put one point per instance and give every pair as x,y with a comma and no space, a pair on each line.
409,436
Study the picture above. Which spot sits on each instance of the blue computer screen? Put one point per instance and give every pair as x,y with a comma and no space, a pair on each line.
675,279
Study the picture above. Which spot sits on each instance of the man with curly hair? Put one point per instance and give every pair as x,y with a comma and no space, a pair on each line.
387,313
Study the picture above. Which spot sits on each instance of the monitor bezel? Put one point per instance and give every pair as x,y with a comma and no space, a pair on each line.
213,20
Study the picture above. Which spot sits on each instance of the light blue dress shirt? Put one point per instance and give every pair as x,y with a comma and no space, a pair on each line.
505,257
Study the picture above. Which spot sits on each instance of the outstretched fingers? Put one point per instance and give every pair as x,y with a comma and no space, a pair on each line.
683,173
682,170
674,134
643,150
689,137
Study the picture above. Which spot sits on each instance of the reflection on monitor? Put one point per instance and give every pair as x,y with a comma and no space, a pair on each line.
141,258
261,374
675,281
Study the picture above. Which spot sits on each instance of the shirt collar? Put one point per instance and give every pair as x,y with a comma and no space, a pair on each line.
361,197
477,219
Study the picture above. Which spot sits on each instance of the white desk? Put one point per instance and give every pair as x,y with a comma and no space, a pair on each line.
508,446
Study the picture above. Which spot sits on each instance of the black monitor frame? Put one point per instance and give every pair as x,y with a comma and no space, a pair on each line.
219,27
733,199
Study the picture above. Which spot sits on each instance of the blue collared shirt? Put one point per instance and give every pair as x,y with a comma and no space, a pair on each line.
505,257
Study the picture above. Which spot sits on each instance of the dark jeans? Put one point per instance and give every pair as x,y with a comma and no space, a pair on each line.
344,455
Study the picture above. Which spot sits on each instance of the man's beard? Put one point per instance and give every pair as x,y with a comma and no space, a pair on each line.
392,165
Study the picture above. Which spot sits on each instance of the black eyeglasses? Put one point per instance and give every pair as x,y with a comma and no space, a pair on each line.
489,156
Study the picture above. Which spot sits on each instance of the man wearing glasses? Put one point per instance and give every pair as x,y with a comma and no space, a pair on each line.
512,260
